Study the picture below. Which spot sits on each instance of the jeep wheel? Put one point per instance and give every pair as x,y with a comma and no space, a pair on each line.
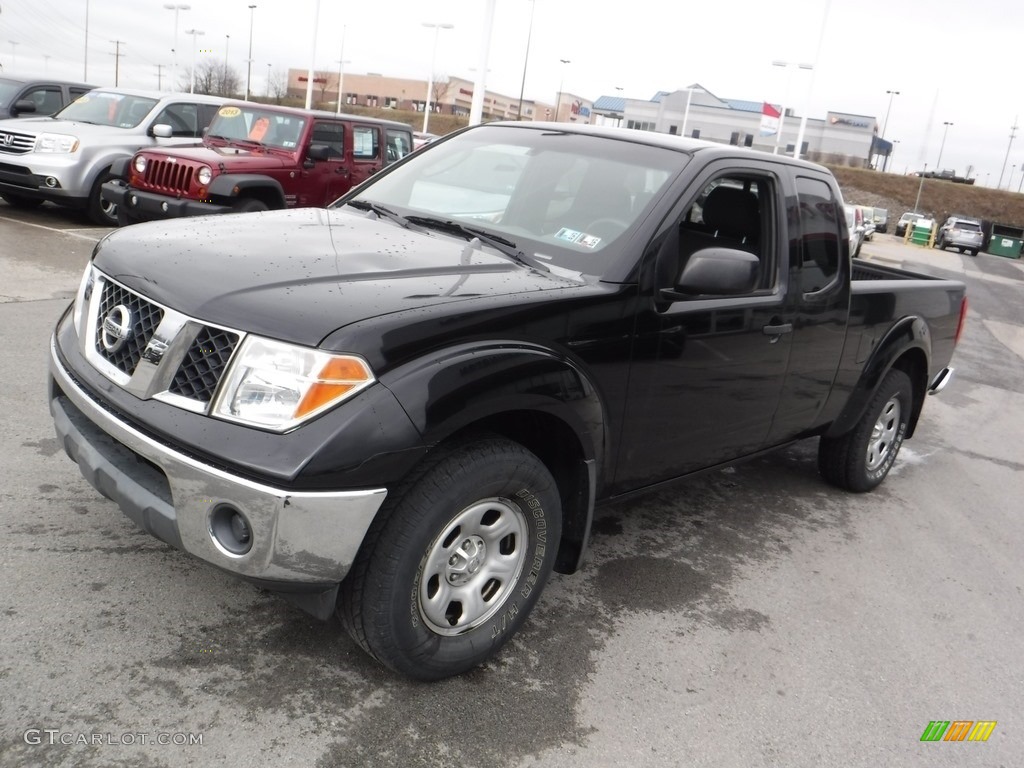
454,563
20,201
101,211
859,460
249,205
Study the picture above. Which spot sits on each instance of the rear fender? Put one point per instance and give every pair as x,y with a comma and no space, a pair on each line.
907,346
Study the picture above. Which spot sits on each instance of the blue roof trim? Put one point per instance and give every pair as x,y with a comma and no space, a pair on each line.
611,103
745,106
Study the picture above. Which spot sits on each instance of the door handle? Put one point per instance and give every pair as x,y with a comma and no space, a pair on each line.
776,331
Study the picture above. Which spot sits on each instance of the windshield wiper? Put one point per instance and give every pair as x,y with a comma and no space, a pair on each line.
499,243
380,210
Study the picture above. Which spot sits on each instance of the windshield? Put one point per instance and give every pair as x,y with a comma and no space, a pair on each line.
249,125
117,110
564,199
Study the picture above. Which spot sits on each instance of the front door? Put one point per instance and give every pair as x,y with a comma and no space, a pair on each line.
707,370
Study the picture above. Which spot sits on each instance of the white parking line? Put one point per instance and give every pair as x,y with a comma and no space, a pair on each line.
69,232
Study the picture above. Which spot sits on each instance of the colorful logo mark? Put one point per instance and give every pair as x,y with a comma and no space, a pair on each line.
959,730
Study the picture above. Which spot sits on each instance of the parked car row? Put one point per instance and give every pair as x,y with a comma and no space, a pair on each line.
253,157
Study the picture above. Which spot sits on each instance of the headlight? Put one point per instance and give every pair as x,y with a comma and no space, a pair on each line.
277,386
204,175
82,299
140,164
57,143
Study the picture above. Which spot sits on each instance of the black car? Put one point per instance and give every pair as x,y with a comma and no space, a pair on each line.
20,97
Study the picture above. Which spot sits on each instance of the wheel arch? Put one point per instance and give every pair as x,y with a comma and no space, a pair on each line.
528,395
233,186
907,347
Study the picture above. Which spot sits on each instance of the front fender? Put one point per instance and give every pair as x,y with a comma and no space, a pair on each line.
907,345
231,184
454,388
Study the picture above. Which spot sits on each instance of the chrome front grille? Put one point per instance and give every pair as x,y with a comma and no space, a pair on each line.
153,351
126,325
16,143
168,176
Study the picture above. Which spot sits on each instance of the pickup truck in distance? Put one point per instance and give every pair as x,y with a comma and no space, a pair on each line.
403,409
256,157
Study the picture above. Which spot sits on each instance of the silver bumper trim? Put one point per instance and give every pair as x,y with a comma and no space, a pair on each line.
302,537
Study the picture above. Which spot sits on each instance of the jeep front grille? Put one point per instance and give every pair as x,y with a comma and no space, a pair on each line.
168,176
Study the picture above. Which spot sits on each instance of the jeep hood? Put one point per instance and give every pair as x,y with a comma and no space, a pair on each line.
233,158
300,274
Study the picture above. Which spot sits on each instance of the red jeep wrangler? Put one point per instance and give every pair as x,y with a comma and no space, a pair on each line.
255,157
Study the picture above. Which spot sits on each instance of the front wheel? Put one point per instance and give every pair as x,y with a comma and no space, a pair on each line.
860,460
101,210
454,564
249,205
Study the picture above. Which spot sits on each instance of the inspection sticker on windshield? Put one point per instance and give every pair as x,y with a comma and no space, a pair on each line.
579,238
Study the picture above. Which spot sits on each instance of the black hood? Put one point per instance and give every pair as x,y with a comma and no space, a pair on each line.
299,275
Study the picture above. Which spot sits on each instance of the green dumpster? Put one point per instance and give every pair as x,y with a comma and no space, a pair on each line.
921,232
1006,241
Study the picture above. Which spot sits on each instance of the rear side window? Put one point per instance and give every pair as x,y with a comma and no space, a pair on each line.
365,143
332,136
821,234
399,144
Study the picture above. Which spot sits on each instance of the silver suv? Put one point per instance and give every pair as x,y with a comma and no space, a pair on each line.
960,233
66,158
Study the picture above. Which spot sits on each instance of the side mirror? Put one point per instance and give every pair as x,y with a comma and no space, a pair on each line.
719,272
162,131
318,152
23,105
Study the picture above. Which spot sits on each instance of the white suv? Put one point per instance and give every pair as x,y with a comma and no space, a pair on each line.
66,158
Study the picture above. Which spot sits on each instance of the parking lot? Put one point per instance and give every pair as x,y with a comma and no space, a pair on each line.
750,617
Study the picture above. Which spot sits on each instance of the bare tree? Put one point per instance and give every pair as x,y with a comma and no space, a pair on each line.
277,85
212,78
441,86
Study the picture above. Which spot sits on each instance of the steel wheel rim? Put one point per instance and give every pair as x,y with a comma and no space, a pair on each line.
884,434
472,566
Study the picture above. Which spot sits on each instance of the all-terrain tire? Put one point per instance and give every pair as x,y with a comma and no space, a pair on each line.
455,561
860,460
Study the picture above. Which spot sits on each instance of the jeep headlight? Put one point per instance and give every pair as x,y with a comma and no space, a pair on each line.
204,175
57,143
140,164
274,385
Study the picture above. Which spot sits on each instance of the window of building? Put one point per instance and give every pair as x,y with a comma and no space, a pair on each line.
695,134
391,102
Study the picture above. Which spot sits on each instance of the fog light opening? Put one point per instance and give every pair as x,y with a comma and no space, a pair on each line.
164,207
51,182
231,530
133,201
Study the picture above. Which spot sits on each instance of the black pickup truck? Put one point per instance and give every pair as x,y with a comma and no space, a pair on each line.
403,408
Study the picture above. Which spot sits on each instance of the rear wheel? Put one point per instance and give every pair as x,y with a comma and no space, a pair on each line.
456,561
860,460
20,201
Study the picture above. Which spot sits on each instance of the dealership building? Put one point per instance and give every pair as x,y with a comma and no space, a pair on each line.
839,138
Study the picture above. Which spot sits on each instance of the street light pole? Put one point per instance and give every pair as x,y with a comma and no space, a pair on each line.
248,74
526,60
430,76
888,109
174,65
192,79
797,150
1013,133
341,69
938,164
789,84
558,106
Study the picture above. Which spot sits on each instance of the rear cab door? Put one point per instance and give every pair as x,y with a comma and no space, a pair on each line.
365,152
707,370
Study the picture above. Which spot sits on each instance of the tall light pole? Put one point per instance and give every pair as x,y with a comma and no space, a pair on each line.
85,55
248,72
797,150
561,82
526,59
1013,133
430,77
341,69
269,65
192,79
176,7
888,109
891,153
938,163
785,101
14,53
311,74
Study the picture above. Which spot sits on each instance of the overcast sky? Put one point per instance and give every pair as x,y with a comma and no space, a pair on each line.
955,62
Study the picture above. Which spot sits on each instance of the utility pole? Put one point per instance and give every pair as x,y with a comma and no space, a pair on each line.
159,77
117,59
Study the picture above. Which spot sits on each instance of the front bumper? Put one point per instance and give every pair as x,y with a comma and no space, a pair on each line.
138,205
300,541
42,177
